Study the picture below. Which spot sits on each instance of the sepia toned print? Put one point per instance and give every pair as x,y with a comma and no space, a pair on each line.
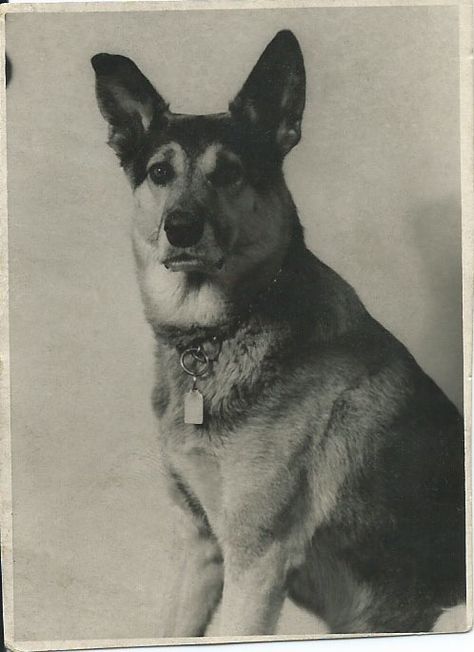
302,471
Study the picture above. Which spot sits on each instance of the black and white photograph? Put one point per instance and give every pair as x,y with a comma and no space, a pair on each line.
236,322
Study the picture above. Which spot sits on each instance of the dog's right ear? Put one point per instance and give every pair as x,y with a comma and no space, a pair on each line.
127,100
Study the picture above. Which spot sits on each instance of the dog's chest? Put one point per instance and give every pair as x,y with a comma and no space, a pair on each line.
201,456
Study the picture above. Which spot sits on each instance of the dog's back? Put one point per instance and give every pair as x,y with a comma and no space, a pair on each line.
398,528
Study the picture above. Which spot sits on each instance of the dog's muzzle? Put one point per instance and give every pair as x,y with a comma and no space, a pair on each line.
184,229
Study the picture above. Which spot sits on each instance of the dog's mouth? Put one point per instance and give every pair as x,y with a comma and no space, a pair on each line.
191,263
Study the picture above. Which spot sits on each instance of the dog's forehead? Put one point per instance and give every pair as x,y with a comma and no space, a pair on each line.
193,140
198,134
207,159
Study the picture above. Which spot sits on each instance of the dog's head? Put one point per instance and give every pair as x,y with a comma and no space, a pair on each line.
213,214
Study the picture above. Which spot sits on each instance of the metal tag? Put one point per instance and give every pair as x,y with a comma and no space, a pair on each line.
194,407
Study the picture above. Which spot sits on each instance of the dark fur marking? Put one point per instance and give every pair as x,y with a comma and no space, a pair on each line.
160,398
195,133
191,501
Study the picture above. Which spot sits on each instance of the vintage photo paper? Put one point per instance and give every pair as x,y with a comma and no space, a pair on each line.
236,321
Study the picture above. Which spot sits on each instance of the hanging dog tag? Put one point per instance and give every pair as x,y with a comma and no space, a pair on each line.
194,407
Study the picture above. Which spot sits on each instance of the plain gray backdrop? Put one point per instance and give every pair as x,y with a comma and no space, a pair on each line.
377,182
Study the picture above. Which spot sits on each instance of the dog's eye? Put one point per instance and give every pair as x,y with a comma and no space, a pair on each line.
226,174
161,173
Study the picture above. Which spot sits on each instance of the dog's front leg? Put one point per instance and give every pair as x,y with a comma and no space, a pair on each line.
254,589
198,581
198,587
261,533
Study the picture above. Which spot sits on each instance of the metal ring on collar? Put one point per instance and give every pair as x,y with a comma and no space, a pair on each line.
199,356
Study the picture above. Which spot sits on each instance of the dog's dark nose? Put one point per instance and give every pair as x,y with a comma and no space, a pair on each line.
184,229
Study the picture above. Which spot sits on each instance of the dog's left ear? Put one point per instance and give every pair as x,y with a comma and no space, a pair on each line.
273,97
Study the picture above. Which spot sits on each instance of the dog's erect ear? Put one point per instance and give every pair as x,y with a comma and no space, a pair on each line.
127,101
273,96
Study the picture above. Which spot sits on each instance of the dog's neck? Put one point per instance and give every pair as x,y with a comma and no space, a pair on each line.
244,314
303,296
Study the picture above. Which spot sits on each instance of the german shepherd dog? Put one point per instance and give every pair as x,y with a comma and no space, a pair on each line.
314,457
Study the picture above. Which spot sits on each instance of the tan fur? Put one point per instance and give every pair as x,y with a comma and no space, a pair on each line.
165,296
453,619
151,200
234,478
174,153
131,106
164,293
206,162
318,425
258,233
